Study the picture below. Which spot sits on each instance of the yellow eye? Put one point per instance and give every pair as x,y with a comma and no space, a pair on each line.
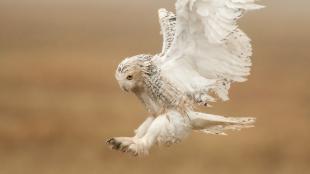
130,77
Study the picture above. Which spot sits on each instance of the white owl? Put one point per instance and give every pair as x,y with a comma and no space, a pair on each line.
203,53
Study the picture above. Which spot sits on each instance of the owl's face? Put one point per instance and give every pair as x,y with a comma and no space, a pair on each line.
129,74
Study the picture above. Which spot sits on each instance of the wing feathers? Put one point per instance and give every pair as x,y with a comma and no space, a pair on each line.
209,46
167,22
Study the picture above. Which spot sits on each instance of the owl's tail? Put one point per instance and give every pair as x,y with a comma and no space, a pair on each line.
218,125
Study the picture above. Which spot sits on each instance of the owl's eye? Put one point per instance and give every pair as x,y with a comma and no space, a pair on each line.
130,77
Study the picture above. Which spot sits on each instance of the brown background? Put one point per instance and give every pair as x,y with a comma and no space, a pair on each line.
59,100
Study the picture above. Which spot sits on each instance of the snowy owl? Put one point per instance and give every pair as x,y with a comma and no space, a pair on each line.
203,52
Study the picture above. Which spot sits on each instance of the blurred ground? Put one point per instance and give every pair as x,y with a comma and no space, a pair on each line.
59,100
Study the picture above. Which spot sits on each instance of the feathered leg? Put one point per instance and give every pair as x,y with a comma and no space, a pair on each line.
167,129
142,129
142,145
123,143
214,124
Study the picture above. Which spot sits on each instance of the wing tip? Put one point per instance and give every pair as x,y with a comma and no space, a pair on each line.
162,12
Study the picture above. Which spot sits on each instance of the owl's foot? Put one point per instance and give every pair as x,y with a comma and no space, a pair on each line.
203,103
127,144
120,143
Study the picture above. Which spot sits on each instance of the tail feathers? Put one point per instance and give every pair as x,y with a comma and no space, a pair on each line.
231,124
241,120
217,125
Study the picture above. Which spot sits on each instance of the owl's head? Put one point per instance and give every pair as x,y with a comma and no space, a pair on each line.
131,72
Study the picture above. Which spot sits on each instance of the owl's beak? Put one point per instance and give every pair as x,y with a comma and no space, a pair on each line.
124,88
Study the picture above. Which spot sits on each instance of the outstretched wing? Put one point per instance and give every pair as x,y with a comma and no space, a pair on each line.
209,51
167,22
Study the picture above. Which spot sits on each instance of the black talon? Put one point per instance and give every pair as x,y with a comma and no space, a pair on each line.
114,147
124,150
110,141
117,145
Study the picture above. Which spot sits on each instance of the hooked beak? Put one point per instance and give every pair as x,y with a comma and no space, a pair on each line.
124,88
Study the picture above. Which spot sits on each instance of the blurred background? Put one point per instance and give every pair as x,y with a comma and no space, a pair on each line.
59,101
